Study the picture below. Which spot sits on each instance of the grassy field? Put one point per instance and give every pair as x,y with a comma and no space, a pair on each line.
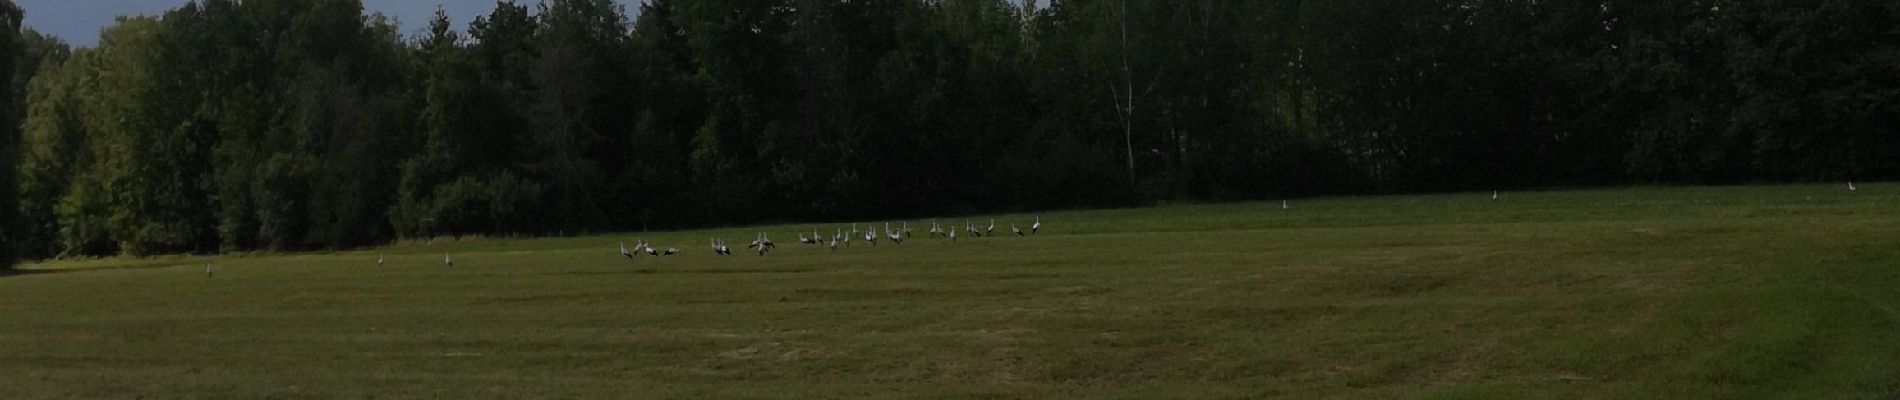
1679,293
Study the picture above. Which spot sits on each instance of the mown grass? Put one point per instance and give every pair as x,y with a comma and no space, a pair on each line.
1678,293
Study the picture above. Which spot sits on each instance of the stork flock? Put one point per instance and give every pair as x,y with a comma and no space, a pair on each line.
840,237
870,235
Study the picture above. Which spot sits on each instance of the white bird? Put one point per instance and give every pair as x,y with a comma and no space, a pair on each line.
670,251
1014,229
834,243
379,259
803,239
649,249
1494,195
1283,205
715,245
624,253
1850,186
1037,226
990,231
906,229
448,261
934,229
952,233
207,269
894,236
870,235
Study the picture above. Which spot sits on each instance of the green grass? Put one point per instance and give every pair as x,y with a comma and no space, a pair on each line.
1681,293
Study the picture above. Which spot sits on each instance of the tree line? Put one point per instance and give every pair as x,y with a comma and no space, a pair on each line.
227,125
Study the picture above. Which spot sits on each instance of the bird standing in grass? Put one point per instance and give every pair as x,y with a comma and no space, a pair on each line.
447,260
991,230
1036,226
1494,195
207,269
1284,206
1850,186
379,260
1014,229
624,253
952,233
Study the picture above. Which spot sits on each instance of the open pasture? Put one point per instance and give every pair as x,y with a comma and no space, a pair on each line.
1676,293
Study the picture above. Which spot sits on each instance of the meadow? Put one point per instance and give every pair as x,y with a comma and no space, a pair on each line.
1668,293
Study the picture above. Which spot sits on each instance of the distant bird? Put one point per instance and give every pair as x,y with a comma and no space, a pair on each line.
715,246
1850,186
803,239
1283,205
895,236
906,229
379,260
1494,195
207,269
1037,226
1014,229
671,251
649,249
448,261
990,231
952,233
971,229
761,244
834,243
870,235
723,249
624,253
934,229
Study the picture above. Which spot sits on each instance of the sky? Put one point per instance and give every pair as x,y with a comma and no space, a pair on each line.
79,21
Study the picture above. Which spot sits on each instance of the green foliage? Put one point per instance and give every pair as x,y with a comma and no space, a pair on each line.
304,124
11,48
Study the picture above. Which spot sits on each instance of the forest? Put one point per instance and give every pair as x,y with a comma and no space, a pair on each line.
285,125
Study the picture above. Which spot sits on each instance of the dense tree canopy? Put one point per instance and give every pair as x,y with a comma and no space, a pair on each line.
229,125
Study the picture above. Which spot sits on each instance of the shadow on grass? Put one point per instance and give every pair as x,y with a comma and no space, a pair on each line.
110,266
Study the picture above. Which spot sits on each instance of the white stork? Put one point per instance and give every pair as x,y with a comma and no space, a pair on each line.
671,251
1850,186
207,269
934,229
952,233
990,231
1037,226
624,253
1494,195
1284,206
870,235
448,261
379,260
1015,230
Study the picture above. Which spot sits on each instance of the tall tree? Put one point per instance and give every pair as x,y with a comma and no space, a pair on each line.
10,49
